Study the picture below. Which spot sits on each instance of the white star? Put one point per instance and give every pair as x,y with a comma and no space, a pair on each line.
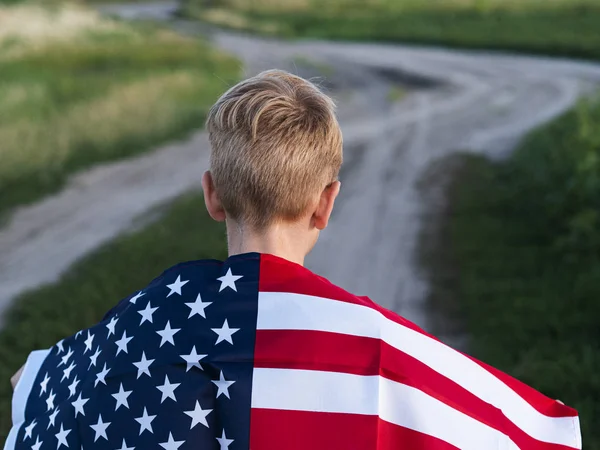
167,389
111,326
124,446
147,313
94,357
37,444
73,387
100,428
78,405
175,288
62,437
171,444
225,333
198,415
100,376
44,383
78,334
66,357
228,280
145,422
67,371
60,347
193,359
167,334
122,343
50,400
29,429
135,298
198,307
121,397
224,442
52,418
143,365
88,342
222,385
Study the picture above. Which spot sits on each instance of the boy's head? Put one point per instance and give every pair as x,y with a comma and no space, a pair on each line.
276,153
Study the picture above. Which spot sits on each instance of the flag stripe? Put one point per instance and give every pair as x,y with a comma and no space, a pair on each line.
284,276
334,392
276,429
11,440
303,312
542,403
21,394
317,350
25,384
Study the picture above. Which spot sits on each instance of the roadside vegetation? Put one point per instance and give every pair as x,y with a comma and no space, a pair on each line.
77,89
524,234
553,27
524,244
42,317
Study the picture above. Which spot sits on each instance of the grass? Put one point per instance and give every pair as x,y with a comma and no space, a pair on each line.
558,27
42,317
396,94
302,62
77,89
524,244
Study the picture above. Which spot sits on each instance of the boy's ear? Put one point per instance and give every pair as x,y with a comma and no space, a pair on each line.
211,199
325,206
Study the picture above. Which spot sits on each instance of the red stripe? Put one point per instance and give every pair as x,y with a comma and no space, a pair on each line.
543,404
333,352
272,429
316,350
280,275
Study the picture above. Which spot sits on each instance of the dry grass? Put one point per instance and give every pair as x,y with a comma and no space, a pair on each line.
220,16
29,146
34,26
77,89
231,19
278,5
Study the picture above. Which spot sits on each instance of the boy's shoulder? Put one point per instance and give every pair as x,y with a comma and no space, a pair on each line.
279,276
182,278
268,277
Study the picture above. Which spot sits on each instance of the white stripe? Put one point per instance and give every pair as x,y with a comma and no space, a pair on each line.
11,440
285,311
333,392
21,394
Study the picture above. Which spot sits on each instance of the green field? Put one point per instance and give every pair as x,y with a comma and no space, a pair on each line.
41,318
525,248
77,89
554,27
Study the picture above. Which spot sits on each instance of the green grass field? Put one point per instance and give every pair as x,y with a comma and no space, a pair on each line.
554,27
77,89
525,248
41,318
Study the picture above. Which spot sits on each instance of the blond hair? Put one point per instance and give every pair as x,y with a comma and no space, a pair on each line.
276,144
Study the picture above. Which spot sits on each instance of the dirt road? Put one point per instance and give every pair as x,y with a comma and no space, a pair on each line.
459,100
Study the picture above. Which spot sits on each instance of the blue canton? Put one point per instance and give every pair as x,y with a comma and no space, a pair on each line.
170,367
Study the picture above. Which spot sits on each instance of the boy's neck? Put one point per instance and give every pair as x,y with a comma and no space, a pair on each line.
283,240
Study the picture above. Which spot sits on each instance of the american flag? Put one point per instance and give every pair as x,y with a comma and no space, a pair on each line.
259,353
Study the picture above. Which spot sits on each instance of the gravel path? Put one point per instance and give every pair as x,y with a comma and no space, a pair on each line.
458,100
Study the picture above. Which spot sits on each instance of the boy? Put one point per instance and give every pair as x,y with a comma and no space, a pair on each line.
257,352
